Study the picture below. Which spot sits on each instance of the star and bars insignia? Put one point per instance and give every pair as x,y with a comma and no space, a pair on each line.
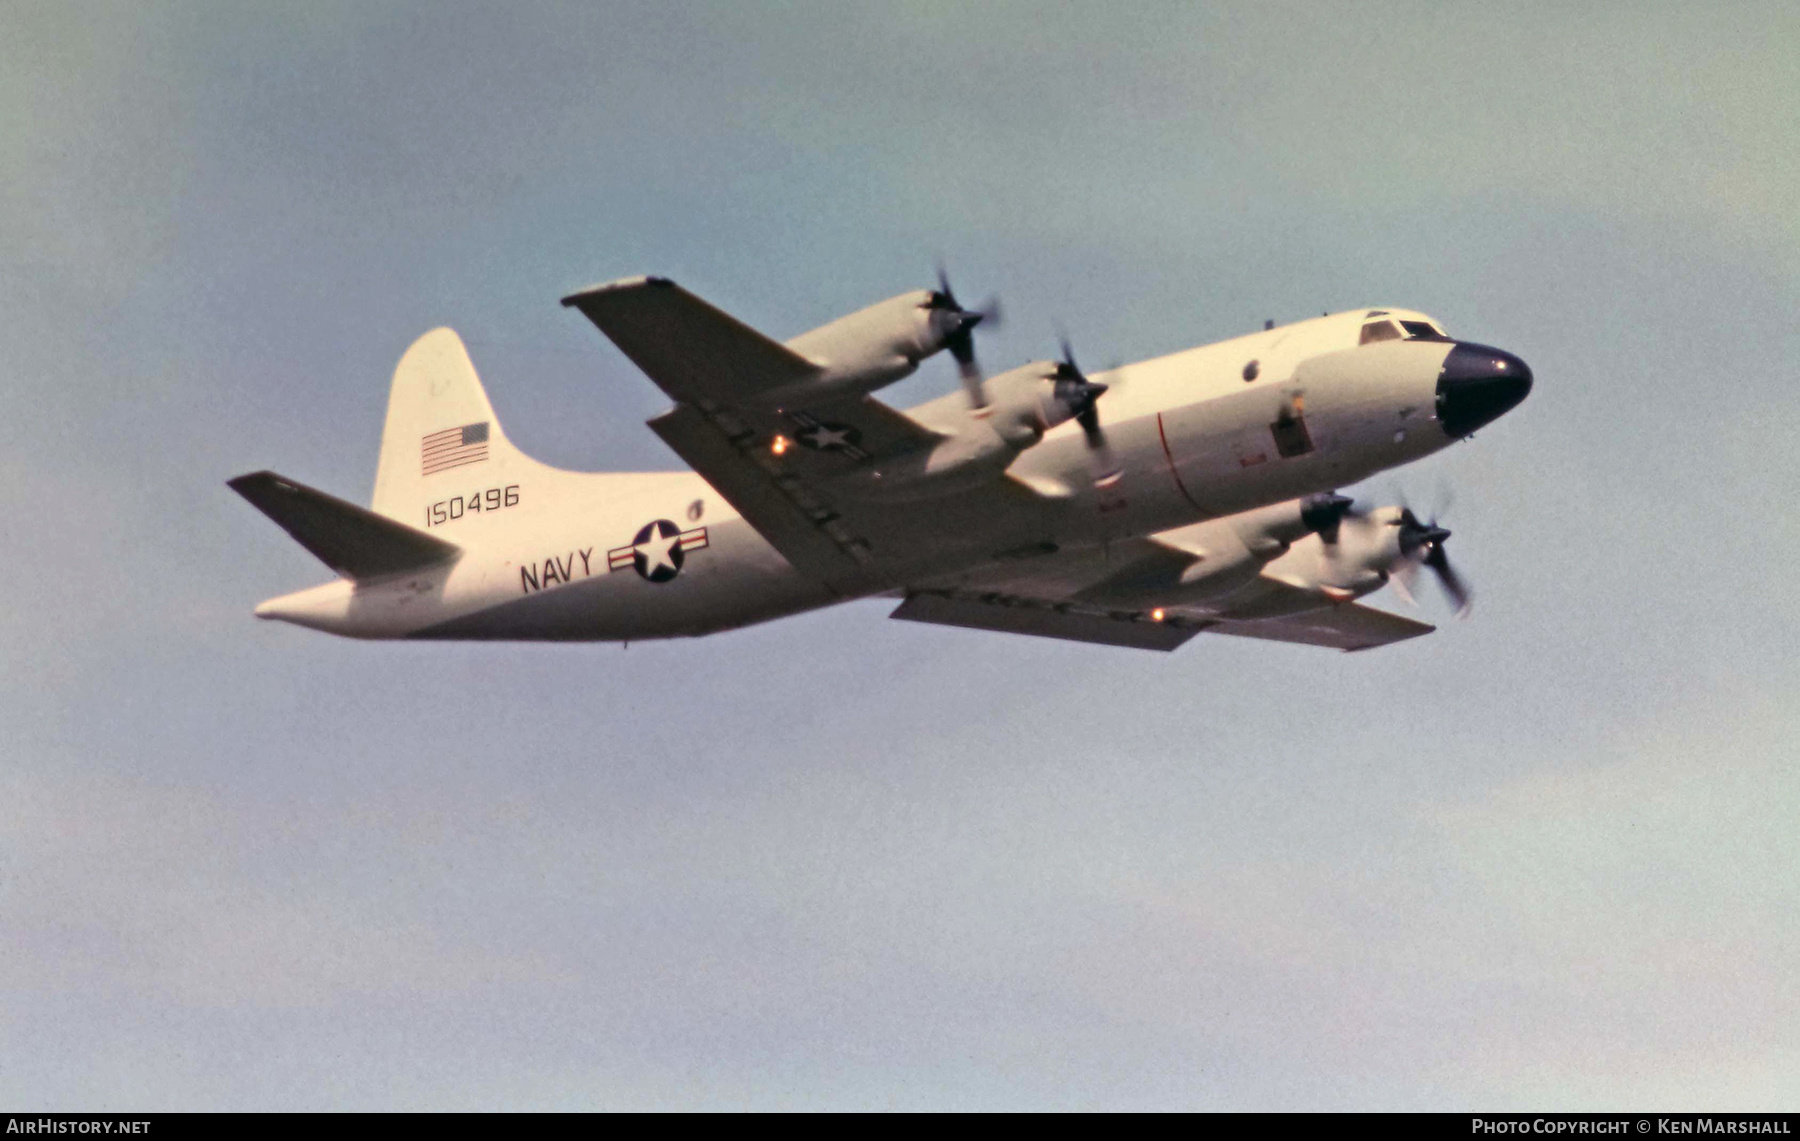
658,551
822,436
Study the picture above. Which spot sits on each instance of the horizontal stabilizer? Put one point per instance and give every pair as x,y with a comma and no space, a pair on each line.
351,540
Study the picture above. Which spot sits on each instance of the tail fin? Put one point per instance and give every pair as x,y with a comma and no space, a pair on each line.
350,540
440,427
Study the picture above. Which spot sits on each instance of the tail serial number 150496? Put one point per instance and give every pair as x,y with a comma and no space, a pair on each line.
492,499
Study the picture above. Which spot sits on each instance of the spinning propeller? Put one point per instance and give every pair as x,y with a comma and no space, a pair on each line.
1422,544
961,338
1080,395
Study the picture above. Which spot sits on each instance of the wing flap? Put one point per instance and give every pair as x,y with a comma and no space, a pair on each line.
353,541
692,351
807,532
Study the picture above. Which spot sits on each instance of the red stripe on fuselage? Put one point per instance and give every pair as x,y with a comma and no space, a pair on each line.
1173,474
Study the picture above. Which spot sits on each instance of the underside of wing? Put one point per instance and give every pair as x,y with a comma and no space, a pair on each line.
1145,588
692,351
1055,614
1013,615
1350,626
809,495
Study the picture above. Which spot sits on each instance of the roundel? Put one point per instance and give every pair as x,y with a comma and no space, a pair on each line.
824,437
656,552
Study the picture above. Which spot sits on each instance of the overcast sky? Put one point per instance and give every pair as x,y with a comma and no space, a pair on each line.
1544,858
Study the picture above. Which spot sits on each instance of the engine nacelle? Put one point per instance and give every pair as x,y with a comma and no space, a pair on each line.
1027,402
1023,405
1208,564
1366,549
870,348
1240,565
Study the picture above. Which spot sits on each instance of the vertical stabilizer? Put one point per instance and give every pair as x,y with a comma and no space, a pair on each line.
441,431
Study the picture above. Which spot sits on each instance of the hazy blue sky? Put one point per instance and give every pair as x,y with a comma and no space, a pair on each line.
1543,858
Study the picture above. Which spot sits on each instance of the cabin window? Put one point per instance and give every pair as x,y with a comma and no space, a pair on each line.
1379,331
1251,370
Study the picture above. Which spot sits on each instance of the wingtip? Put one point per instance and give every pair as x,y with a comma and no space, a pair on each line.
623,283
254,480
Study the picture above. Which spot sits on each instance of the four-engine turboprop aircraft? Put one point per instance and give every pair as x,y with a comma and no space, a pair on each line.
1202,503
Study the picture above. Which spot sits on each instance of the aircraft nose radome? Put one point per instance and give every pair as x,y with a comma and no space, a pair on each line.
1477,386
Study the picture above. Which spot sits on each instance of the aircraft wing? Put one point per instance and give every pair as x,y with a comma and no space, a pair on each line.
1349,626
1014,615
791,472
692,351
799,499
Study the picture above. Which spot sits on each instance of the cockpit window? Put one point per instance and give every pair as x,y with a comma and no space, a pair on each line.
1389,331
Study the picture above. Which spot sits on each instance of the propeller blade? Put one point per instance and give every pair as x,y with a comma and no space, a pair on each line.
945,297
1107,470
1401,578
960,340
1452,582
1079,395
1446,499
971,379
1422,545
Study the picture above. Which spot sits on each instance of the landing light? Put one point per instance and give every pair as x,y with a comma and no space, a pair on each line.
780,445
1156,615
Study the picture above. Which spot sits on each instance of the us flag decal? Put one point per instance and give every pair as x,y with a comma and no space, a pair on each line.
454,447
